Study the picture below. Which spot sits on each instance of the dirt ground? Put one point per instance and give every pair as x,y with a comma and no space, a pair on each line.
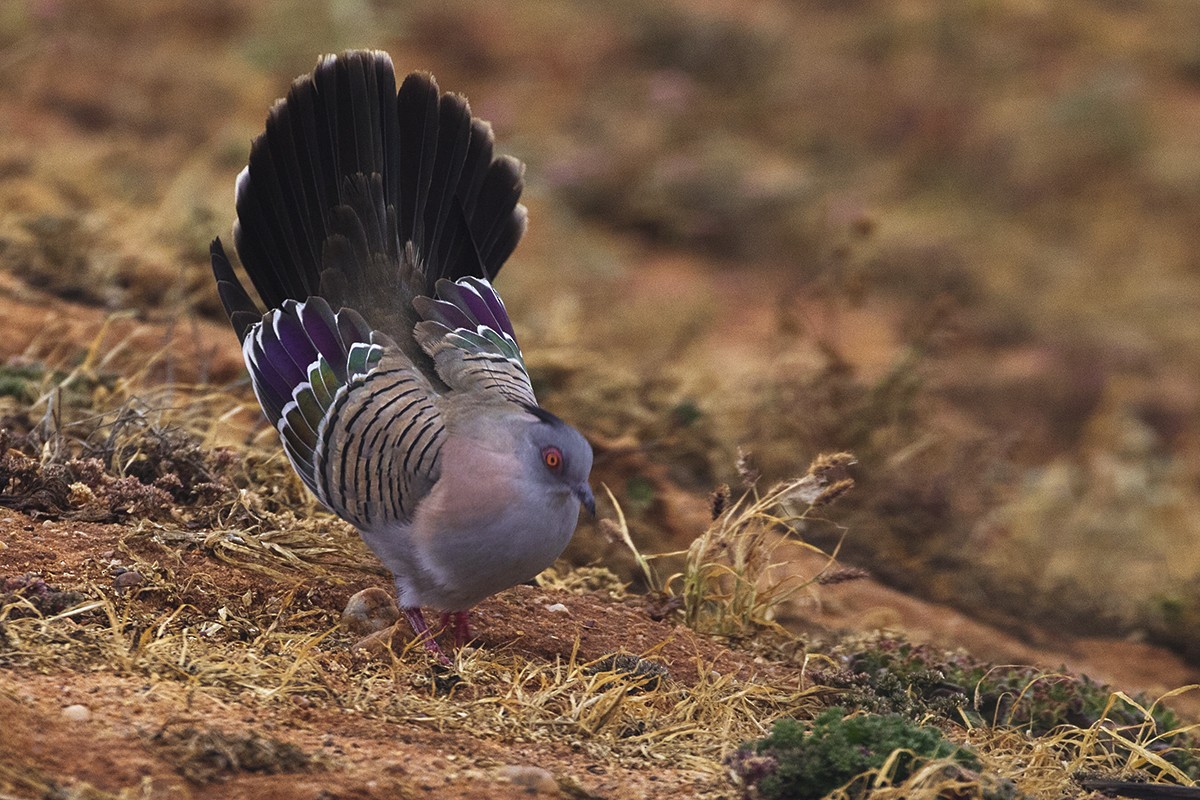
129,742
115,749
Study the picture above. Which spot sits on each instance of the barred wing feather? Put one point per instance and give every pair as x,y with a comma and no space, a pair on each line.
467,333
361,425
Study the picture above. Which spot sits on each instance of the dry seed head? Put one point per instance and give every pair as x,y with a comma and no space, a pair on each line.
832,466
843,575
81,494
746,469
832,492
718,501
611,531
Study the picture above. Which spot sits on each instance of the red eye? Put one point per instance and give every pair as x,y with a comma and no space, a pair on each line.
552,457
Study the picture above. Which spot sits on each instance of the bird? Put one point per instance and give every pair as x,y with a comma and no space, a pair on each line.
371,222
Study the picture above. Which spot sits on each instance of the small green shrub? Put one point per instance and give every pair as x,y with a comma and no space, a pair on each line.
798,761
891,675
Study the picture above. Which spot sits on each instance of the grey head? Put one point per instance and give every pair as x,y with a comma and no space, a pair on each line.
561,457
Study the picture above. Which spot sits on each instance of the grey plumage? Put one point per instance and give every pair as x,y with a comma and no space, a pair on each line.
408,411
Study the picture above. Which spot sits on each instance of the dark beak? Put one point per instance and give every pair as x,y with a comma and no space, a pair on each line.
584,493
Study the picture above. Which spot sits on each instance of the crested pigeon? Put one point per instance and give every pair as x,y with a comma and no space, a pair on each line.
371,223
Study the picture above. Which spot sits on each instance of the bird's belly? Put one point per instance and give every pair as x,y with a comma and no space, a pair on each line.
466,560
474,563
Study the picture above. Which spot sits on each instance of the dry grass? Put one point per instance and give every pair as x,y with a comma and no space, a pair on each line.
207,755
23,781
1042,766
607,713
959,157
736,573
237,646
937,779
1130,750
291,649
731,579
124,441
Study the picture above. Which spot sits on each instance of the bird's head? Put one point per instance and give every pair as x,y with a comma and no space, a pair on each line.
563,456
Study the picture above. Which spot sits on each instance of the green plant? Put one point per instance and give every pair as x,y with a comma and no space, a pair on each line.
835,751
919,680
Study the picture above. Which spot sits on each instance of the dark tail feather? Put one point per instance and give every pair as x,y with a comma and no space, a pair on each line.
416,109
239,307
454,140
348,163
497,222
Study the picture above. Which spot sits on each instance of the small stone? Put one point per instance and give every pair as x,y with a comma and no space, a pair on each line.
77,713
558,608
380,644
128,580
369,611
534,780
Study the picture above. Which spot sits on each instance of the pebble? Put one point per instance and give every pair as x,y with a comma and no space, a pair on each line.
558,608
534,780
77,713
370,610
127,580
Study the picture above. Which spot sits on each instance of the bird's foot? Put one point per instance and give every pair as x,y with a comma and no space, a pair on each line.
462,626
417,621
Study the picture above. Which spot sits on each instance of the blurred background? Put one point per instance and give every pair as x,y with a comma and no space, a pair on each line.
960,239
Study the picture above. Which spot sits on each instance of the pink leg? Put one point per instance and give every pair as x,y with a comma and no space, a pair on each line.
417,620
462,628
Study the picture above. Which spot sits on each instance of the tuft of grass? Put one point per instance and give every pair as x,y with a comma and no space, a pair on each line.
1154,742
735,573
730,583
96,435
